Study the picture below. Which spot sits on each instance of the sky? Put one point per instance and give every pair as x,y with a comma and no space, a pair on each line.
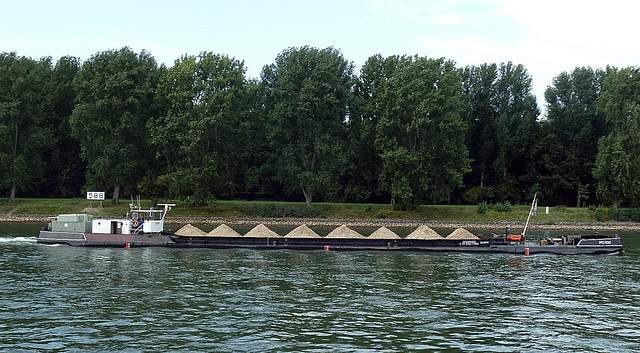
546,36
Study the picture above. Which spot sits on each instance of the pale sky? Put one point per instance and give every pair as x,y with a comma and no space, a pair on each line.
546,36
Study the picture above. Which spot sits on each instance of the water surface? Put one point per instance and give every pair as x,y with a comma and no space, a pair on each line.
60,298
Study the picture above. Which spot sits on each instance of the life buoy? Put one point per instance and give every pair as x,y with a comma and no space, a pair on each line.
135,223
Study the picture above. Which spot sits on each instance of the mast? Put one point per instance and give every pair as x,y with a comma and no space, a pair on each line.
534,206
167,208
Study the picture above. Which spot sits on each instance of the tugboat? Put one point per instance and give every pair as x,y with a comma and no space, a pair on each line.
140,227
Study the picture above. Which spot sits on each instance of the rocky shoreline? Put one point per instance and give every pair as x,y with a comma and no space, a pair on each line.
370,223
402,223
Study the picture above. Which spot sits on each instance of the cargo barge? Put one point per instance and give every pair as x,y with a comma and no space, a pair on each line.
569,245
145,227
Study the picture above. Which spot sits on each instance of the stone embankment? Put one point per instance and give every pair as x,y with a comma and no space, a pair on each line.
368,223
24,218
402,223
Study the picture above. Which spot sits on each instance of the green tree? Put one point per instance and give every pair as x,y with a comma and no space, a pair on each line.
479,90
64,167
617,169
260,180
203,138
308,91
618,157
23,82
548,166
516,125
361,176
420,133
573,118
115,98
501,114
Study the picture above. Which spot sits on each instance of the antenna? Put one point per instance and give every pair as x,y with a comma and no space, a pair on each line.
131,205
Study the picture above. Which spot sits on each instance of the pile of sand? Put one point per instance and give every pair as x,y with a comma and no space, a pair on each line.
344,232
424,232
302,232
224,230
384,233
462,234
189,230
261,231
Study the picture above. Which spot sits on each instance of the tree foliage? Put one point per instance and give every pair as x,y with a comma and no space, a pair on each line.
479,89
202,138
115,98
517,114
308,91
23,83
361,177
616,167
502,116
408,129
420,133
64,174
573,118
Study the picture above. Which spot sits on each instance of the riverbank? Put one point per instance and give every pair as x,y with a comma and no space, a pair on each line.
274,213
370,223
401,223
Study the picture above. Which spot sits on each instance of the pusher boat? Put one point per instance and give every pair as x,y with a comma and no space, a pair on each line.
139,227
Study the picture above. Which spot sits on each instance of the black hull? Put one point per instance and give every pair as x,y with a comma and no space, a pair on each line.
496,245
444,245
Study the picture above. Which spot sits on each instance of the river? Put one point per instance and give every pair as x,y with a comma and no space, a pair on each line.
65,299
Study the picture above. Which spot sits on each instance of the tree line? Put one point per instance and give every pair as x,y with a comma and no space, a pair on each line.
406,129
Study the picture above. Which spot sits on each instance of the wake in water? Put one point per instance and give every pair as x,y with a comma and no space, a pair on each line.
10,240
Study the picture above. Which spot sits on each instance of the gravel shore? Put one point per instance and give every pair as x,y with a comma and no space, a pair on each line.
401,223
368,223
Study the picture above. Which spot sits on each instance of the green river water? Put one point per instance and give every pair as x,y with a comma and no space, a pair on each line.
66,299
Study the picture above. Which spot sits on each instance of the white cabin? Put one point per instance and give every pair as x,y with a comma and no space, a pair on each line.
138,221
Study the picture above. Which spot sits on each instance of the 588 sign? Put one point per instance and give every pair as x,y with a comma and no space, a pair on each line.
95,195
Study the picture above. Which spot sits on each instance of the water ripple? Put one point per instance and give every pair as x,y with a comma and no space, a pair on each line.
139,300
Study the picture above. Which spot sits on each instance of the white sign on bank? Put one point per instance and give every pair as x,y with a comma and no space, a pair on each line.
95,195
